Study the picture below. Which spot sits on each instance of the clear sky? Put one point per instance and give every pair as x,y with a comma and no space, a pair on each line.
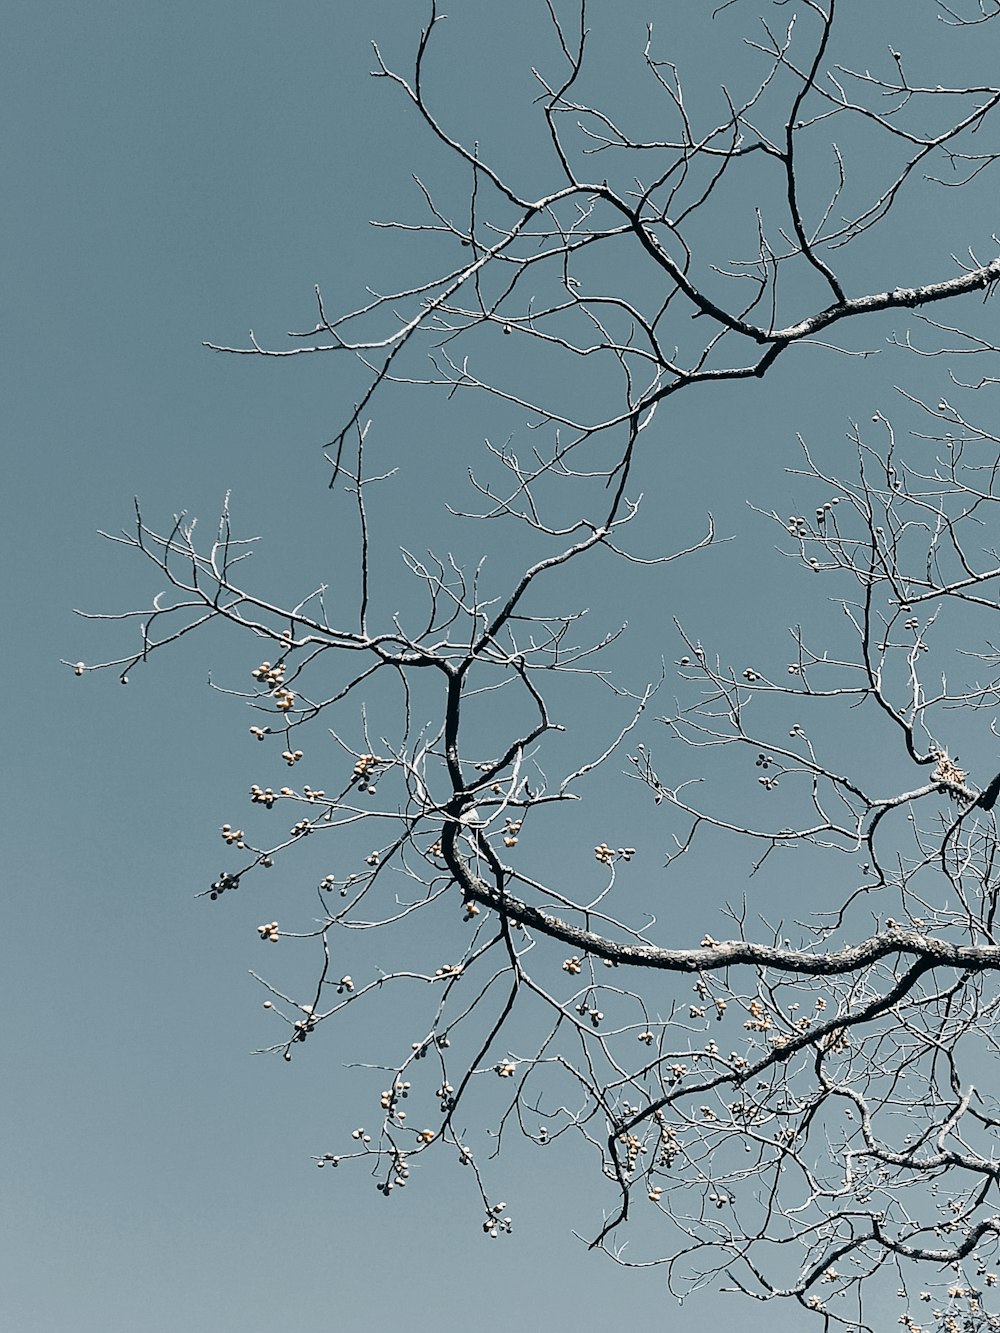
186,172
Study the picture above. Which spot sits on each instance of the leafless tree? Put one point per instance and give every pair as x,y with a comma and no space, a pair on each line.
818,1117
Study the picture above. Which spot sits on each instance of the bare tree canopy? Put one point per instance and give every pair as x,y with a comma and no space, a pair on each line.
809,1108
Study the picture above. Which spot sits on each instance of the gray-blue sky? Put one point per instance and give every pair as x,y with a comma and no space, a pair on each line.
183,172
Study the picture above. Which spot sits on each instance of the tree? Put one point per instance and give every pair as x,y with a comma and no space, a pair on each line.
818,1119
